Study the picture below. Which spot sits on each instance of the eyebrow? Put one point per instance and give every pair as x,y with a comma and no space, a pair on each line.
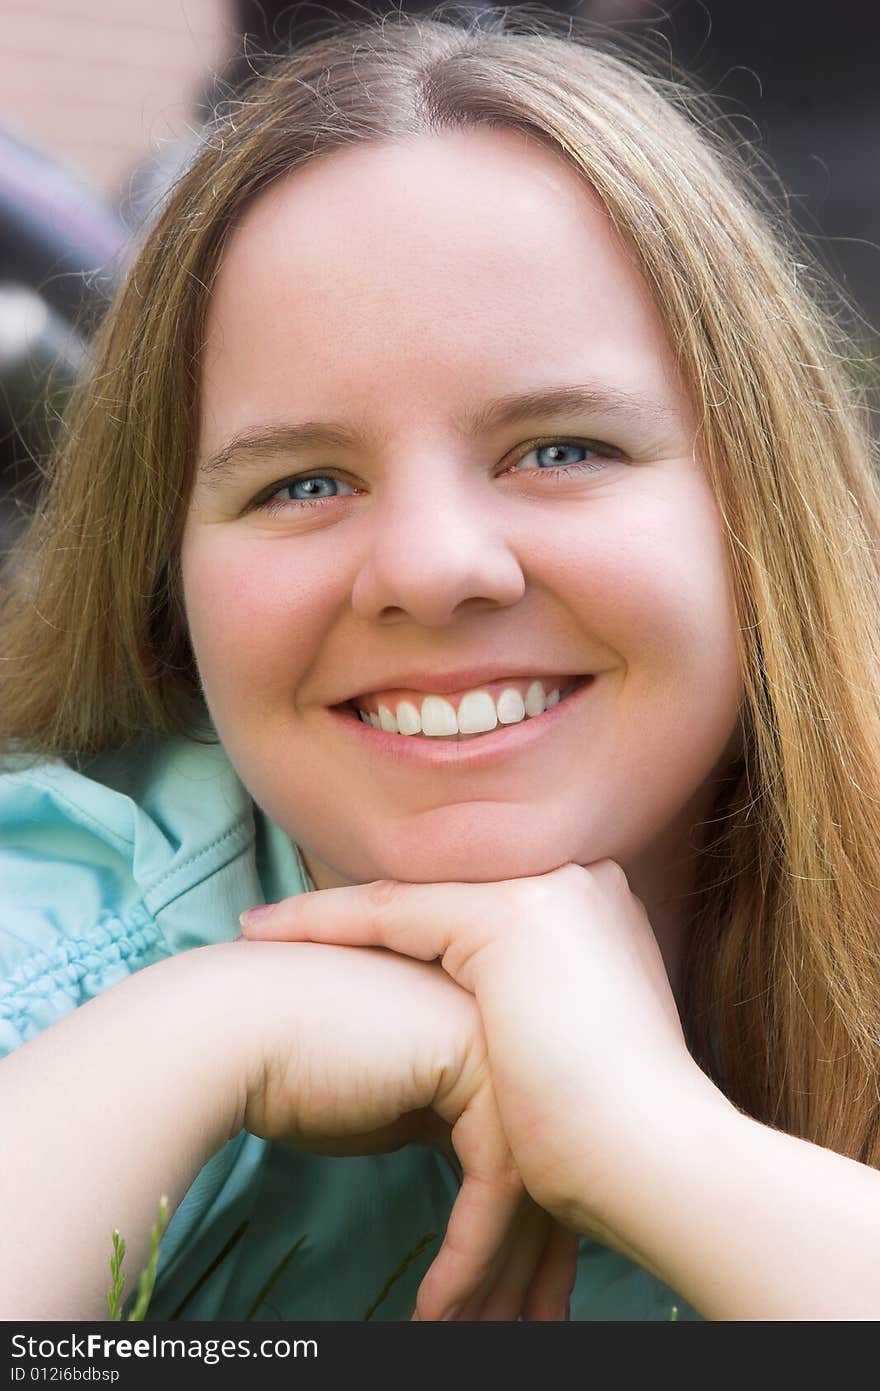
260,443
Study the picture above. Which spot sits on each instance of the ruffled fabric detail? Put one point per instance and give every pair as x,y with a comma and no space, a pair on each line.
49,984
107,869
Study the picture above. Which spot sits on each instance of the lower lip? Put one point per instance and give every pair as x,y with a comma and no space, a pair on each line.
421,752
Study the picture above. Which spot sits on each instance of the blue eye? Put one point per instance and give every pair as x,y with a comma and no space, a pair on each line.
319,489
312,484
601,454
556,449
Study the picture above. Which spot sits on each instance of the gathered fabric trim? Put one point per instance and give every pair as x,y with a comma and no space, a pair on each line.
77,969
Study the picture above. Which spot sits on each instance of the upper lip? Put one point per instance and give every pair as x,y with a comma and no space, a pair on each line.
462,679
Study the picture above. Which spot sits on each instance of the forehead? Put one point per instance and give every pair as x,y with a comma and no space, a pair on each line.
384,276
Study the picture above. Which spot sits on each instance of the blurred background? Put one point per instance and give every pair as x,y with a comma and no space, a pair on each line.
101,104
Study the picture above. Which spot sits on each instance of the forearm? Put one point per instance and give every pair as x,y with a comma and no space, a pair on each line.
746,1222
121,1101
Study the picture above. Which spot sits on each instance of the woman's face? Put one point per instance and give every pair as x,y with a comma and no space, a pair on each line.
396,295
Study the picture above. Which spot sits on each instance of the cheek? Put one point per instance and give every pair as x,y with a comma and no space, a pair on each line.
649,589
651,585
255,613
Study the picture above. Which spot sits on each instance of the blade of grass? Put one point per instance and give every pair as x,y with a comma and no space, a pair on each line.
191,1294
276,1274
401,1270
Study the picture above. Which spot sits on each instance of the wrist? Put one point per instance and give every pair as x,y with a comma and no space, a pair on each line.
670,1142
206,1037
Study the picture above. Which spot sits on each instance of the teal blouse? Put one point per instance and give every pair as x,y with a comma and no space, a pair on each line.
157,850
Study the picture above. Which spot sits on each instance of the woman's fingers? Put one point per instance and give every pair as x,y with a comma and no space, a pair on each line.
532,1275
553,1281
368,915
484,1217
525,1283
417,920
454,922
478,1232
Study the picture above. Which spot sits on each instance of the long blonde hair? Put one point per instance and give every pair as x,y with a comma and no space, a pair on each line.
782,975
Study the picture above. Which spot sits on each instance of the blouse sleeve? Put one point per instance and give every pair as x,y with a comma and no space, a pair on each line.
106,871
72,919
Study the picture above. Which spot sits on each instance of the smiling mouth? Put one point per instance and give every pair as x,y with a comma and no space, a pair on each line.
505,717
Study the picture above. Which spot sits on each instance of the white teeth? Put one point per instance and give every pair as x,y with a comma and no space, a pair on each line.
409,721
387,720
535,699
477,713
511,706
438,716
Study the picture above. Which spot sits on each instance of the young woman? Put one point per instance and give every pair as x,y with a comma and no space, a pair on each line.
468,517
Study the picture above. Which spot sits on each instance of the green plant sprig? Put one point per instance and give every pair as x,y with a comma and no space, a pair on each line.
114,1294
148,1274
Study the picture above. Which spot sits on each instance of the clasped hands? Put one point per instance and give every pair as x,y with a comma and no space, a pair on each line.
532,1016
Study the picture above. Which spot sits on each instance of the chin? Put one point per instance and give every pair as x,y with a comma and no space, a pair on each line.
473,863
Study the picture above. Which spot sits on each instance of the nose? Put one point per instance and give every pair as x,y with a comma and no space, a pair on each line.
434,548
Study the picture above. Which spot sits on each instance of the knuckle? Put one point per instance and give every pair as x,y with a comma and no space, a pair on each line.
610,873
382,893
526,897
570,872
505,1179
510,1180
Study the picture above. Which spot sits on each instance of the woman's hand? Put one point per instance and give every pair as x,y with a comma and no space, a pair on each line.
363,1051
587,1054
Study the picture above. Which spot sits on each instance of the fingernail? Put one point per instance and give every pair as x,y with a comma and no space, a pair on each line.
252,914
451,1314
